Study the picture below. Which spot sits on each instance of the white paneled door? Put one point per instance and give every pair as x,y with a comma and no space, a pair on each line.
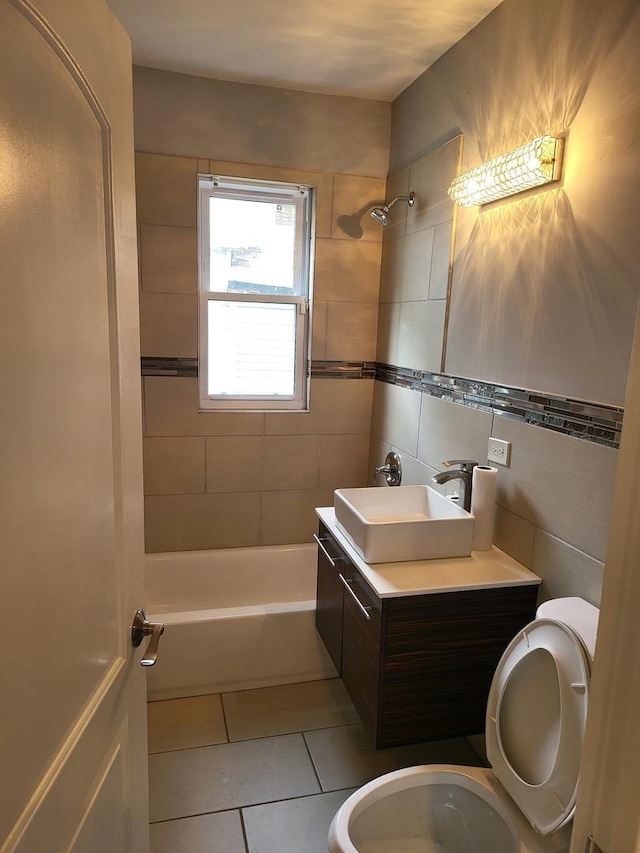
72,732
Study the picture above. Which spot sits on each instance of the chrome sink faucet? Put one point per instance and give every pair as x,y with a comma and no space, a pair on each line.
464,473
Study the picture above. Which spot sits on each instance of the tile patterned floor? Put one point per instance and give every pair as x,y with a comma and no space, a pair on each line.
264,771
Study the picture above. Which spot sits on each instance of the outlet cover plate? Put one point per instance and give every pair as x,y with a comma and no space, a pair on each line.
499,452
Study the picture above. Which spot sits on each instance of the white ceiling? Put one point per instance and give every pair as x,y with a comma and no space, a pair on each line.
362,48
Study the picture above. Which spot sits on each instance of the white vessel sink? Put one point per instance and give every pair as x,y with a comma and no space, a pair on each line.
389,525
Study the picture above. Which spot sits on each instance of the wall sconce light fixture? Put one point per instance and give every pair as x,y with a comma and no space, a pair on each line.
532,165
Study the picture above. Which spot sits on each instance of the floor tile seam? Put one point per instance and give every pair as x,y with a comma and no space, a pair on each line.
313,763
240,807
249,739
195,814
188,748
246,690
297,797
276,686
337,726
243,808
224,717
297,731
229,742
181,698
244,831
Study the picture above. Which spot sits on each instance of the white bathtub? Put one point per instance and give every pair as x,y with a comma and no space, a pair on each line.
234,619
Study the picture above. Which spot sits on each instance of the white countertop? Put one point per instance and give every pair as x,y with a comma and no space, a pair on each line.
483,569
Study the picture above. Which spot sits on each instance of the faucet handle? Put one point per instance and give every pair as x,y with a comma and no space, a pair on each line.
466,465
392,469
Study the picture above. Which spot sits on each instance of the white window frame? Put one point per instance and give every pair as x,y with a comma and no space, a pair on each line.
303,197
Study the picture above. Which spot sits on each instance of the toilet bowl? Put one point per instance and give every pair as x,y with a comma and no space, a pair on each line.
524,803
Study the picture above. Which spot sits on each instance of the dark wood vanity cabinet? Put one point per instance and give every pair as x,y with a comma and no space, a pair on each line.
417,667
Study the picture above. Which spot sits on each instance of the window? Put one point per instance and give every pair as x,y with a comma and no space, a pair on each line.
255,246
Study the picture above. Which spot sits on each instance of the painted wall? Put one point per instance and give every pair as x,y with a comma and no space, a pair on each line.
217,480
544,289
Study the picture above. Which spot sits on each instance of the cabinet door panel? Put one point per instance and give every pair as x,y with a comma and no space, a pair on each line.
329,605
432,707
361,665
441,653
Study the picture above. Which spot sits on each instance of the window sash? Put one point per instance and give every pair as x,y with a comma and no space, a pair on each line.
254,401
300,202
302,263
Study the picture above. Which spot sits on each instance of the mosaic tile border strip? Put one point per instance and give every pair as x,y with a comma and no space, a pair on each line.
589,421
170,366
343,369
159,366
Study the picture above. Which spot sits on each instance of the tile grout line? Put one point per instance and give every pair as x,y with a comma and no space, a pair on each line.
253,805
249,739
226,743
240,810
272,687
195,814
289,799
244,829
313,764
224,716
284,734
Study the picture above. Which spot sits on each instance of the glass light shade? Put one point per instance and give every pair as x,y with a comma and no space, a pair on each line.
532,165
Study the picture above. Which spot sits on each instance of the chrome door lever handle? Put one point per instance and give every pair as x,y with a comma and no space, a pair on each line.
141,629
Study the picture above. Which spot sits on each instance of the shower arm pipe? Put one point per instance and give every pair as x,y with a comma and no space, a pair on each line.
410,199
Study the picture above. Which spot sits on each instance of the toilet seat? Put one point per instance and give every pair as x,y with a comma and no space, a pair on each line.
536,715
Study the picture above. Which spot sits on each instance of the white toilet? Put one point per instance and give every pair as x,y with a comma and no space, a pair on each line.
535,721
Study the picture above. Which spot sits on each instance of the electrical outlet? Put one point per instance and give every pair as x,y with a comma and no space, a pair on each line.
499,451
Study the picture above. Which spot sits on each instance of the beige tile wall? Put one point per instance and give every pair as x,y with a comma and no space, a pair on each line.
552,512
416,263
234,479
545,287
553,501
216,480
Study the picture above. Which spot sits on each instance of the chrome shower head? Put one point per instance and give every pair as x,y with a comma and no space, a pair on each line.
381,214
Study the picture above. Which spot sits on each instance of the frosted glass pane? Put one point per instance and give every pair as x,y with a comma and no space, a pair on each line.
252,348
252,246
